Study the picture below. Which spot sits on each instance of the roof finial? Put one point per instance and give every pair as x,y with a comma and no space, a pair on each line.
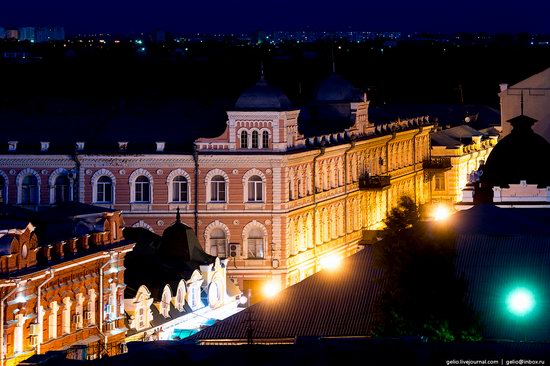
521,102
178,217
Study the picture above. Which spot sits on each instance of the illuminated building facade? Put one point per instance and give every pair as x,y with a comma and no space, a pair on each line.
275,192
61,281
459,152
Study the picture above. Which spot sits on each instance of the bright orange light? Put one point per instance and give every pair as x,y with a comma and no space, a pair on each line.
271,289
441,213
331,262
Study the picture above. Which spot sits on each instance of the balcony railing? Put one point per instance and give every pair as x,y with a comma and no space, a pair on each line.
374,182
437,163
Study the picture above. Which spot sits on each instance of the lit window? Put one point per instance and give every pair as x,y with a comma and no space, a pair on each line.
255,243
142,192
29,190
104,190
439,180
244,140
165,305
179,189
141,317
265,139
218,243
62,189
255,139
217,189
255,189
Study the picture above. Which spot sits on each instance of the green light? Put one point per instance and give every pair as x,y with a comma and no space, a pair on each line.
520,301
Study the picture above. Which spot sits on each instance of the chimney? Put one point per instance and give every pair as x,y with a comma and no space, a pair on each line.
503,87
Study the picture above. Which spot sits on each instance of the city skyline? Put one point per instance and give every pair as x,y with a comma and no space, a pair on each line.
247,16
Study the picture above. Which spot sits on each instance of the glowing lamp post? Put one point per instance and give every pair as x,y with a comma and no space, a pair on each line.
441,213
271,289
520,302
331,262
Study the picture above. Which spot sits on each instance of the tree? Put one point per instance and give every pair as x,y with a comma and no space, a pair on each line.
422,295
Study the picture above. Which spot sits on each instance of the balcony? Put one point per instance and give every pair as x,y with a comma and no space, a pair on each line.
440,164
374,182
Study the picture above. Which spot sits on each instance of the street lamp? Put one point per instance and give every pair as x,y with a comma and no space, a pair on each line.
520,301
331,262
271,289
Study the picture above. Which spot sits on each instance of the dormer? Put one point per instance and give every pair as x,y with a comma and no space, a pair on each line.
122,146
160,146
44,146
80,146
12,145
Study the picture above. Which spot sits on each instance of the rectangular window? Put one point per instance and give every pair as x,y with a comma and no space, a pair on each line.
255,191
255,248
104,192
218,191
217,248
142,192
439,181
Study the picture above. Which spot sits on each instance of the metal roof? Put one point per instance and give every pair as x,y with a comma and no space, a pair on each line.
340,303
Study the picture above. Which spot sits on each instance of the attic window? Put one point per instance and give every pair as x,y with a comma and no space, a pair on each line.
12,145
80,146
44,146
160,146
122,145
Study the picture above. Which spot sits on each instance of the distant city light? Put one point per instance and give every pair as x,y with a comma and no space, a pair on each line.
271,289
520,301
331,262
441,213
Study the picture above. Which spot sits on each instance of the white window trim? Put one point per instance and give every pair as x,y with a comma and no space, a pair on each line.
170,180
262,138
144,225
51,181
211,174
132,181
19,181
246,230
94,180
246,177
215,225
91,306
6,185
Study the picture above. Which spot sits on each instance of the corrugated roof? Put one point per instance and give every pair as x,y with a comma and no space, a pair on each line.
328,303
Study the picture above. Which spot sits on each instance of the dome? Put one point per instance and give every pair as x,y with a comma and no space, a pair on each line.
518,156
263,97
337,89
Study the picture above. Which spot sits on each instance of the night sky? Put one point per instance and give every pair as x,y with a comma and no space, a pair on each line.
248,15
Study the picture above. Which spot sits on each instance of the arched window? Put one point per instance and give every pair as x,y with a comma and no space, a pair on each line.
255,243
255,189
142,189
104,190
3,198
180,189
165,304
244,140
62,189
217,189
218,243
255,140
29,190
265,139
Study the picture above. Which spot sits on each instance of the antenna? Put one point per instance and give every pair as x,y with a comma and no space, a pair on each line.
262,78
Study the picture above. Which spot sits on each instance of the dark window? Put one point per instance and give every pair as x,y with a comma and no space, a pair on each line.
62,189
265,139
255,189
217,189
255,141
29,190
143,189
179,189
104,192
244,140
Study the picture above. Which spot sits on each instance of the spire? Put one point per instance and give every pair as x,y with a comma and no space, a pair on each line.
178,218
